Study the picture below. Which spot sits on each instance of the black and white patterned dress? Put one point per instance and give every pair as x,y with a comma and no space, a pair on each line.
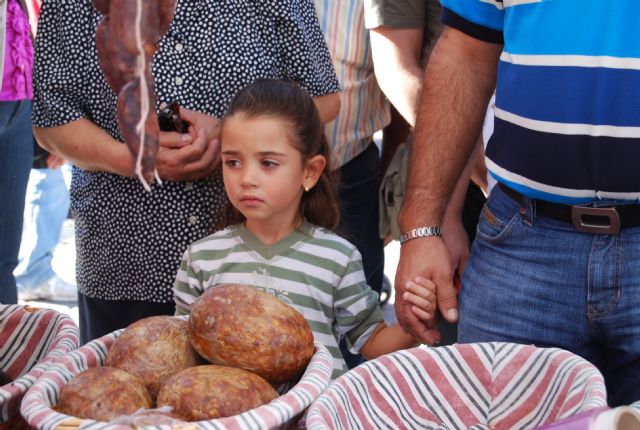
128,241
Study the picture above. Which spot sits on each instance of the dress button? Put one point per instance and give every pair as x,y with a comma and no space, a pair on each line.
193,220
178,47
188,186
179,80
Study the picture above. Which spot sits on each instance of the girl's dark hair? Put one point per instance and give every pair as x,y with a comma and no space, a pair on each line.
287,101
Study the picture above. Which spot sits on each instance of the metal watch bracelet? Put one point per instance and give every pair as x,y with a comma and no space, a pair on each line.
420,232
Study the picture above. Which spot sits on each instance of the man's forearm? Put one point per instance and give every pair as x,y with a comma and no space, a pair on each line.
459,81
87,146
396,58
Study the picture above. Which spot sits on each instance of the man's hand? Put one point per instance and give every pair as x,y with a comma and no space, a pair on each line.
457,241
190,156
428,258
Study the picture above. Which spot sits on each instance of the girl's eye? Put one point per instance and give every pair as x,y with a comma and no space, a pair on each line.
232,163
269,163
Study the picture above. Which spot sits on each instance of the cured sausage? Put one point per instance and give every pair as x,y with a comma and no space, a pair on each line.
126,39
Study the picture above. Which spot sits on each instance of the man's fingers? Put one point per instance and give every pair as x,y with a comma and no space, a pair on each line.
447,300
428,336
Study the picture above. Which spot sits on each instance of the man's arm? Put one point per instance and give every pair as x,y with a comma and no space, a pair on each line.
459,81
396,58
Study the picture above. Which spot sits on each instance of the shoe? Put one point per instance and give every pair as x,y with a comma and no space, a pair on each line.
55,289
385,293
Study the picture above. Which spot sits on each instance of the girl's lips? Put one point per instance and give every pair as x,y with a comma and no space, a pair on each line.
250,200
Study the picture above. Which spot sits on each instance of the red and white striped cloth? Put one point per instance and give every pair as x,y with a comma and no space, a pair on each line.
30,341
37,403
464,386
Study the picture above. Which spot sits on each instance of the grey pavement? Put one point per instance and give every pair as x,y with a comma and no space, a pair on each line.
64,260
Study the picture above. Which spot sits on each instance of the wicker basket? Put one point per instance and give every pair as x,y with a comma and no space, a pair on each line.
280,413
31,340
479,386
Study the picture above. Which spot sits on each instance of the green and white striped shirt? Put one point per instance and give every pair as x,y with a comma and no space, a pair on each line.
314,270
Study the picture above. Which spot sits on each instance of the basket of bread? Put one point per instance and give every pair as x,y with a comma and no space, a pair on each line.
242,359
31,340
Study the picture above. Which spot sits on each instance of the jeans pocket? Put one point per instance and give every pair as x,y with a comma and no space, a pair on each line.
497,220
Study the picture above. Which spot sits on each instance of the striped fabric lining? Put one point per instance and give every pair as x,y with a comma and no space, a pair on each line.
479,386
31,340
38,402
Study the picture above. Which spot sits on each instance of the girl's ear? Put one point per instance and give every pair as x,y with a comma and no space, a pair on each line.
313,169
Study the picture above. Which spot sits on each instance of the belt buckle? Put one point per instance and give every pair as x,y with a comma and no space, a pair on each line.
583,218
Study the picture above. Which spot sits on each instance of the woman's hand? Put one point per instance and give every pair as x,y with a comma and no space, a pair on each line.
193,155
200,121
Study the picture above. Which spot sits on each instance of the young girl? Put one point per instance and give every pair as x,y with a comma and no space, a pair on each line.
277,236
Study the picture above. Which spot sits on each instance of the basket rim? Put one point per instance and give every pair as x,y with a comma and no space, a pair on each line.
38,410
324,409
66,339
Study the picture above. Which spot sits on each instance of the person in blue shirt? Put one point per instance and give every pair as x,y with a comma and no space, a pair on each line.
554,262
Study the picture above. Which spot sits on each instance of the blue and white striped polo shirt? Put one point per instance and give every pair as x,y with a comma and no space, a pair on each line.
567,117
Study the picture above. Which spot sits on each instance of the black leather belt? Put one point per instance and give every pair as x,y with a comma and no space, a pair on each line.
603,220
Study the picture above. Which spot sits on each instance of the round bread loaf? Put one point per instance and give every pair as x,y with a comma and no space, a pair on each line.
210,391
103,394
240,326
153,349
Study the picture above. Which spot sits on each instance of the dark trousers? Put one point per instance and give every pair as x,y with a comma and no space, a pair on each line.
16,156
99,317
358,200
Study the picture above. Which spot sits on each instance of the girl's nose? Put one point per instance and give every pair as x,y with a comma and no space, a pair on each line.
248,177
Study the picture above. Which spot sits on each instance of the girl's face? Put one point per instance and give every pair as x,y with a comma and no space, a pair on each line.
264,174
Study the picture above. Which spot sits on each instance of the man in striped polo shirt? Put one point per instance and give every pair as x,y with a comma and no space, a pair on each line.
555,257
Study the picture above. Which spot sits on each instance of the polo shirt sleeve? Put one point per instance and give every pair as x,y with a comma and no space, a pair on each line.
356,309
63,65
188,285
301,46
395,13
480,19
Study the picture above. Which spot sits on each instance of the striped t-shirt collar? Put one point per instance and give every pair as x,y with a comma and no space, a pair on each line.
269,251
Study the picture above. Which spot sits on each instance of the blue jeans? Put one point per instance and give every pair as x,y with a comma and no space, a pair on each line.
535,280
16,156
359,182
46,208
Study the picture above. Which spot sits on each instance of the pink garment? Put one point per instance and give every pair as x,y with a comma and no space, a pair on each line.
18,56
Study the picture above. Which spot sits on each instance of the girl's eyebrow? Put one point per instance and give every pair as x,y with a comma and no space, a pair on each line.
271,154
261,153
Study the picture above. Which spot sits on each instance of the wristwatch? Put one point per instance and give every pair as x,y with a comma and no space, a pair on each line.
420,232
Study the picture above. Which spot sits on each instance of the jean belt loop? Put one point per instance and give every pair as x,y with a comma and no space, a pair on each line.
530,210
